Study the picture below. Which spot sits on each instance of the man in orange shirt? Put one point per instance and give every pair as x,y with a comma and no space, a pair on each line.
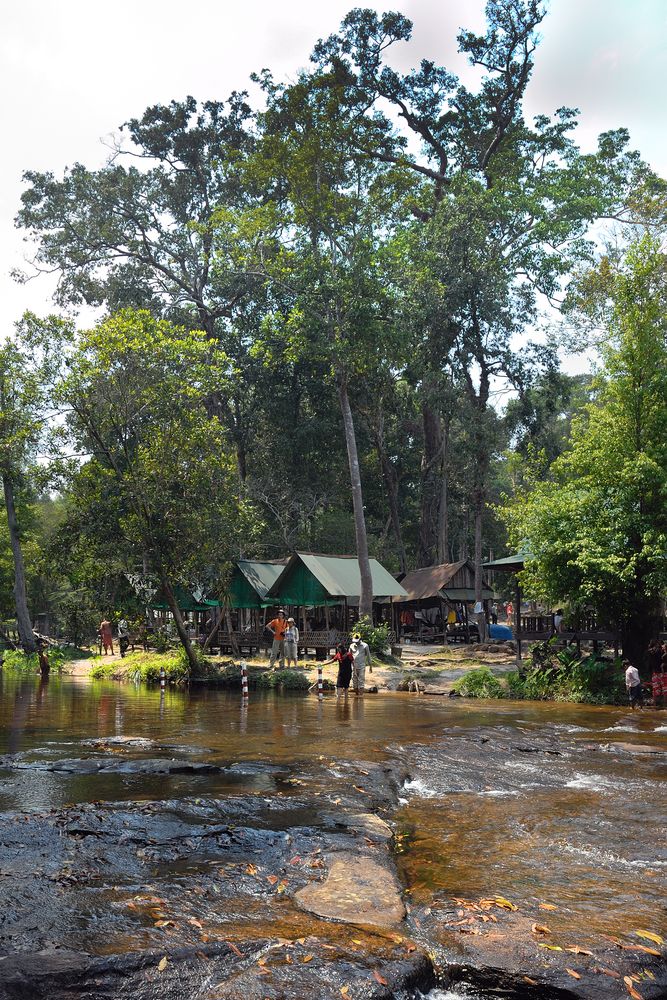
278,626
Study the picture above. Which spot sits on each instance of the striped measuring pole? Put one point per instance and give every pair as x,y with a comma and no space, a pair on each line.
163,678
320,688
244,680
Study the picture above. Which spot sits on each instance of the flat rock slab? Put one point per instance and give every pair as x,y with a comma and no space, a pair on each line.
366,823
357,890
634,747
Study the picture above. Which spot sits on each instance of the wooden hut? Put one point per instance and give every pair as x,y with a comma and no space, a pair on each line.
322,592
434,594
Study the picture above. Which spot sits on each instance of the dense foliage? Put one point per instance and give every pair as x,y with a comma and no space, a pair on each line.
311,308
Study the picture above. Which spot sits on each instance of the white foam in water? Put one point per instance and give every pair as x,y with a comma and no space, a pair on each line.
460,993
660,729
593,782
621,729
608,858
419,787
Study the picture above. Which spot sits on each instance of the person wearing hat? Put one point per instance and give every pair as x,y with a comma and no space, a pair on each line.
361,656
291,643
278,627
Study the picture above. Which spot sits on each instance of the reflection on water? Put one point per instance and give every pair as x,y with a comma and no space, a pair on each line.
528,801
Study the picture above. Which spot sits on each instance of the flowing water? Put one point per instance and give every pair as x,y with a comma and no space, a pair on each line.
546,803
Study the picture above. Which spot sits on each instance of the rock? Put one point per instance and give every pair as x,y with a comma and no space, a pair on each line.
357,890
634,748
366,823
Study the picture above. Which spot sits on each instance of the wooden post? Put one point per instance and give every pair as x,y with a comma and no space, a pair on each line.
517,624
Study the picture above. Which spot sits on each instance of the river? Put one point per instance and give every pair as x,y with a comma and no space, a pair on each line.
560,810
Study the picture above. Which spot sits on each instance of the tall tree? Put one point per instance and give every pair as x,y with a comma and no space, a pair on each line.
598,527
505,204
136,390
334,225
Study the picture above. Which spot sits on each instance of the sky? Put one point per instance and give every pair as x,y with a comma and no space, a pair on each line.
72,71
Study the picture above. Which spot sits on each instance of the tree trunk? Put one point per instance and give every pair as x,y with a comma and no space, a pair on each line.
430,487
366,597
443,509
20,597
481,617
391,483
180,627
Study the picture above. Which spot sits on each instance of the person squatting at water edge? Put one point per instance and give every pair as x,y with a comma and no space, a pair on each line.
634,685
277,627
343,657
361,656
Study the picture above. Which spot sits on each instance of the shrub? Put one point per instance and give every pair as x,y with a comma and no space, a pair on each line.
377,636
103,671
479,683
288,680
28,663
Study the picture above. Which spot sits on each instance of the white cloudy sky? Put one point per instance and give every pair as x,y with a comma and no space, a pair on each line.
73,70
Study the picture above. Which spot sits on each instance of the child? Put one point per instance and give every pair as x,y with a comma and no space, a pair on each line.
344,659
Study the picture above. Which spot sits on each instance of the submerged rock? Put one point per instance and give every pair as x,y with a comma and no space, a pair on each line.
358,889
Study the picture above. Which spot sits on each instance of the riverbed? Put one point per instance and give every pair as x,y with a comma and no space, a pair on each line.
144,833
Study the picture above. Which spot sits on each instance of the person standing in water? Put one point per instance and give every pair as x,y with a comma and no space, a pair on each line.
343,657
361,656
634,685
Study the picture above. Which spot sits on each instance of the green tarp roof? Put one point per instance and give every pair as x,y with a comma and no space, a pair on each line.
251,581
184,600
310,579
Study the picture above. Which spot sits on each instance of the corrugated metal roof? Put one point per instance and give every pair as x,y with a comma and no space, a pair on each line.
340,576
261,575
433,581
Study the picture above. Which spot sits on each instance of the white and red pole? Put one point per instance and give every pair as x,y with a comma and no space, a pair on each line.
244,680
163,678
320,689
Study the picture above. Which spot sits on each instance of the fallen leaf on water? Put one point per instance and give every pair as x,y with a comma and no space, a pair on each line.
505,903
609,972
650,936
165,923
162,964
345,991
288,959
540,929
356,941
571,972
282,886
272,879
411,947
648,951
295,860
336,802
359,789
307,958
195,922
251,870
379,978
579,951
532,982
130,905
261,961
548,906
234,949
648,973
551,947
427,911
202,955
631,990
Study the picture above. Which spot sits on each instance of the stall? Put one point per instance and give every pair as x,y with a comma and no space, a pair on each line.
437,603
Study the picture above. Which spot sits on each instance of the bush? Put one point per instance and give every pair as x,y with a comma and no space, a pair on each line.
562,676
479,683
288,680
377,636
103,671
28,663
146,667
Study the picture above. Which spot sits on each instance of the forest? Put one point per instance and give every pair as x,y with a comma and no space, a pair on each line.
340,314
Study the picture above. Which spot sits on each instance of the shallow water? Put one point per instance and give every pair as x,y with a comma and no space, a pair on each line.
534,802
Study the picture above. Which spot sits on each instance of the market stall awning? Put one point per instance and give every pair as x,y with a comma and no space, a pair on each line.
509,564
446,582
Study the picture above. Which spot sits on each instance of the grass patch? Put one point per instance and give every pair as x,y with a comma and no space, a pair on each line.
16,661
562,677
104,671
288,680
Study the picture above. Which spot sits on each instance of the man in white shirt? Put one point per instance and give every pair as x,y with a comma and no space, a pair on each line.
634,685
361,655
